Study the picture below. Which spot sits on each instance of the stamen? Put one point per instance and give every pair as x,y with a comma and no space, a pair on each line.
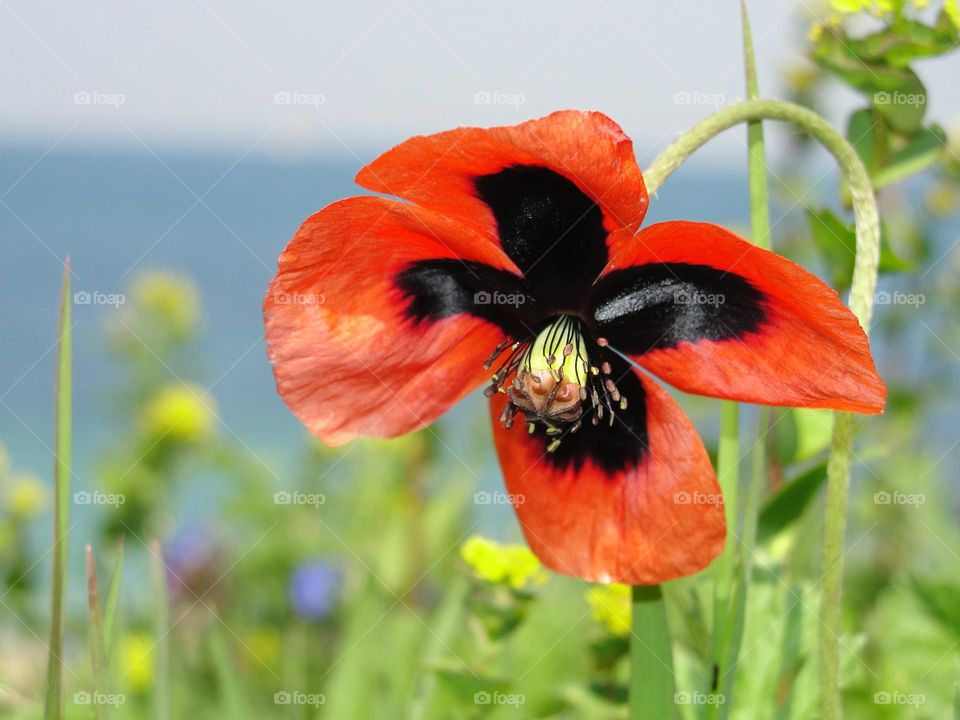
552,381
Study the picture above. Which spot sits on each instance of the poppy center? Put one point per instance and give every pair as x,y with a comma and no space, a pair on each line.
558,379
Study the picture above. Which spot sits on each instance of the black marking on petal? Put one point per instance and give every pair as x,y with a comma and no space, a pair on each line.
660,305
612,448
549,228
442,288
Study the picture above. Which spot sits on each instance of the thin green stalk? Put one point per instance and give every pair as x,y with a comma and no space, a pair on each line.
730,636
233,705
861,303
161,629
447,622
53,708
110,607
651,656
97,650
728,473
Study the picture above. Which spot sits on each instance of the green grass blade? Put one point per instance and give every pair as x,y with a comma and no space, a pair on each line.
97,653
232,702
110,607
447,622
53,708
651,657
161,629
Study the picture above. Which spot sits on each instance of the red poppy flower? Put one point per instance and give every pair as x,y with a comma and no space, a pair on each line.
519,255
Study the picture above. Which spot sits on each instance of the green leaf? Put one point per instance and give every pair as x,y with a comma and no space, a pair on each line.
896,92
787,504
469,689
922,151
941,599
908,40
837,241
863,134
53,707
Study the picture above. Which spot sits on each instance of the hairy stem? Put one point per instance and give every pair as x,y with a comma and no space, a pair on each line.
861,303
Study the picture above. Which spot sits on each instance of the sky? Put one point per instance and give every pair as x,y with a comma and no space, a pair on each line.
293,78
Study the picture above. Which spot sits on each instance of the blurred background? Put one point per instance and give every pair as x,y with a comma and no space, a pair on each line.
172,149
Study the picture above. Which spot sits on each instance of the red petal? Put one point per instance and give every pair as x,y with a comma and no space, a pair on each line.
588,148
658,520
347,361
809,352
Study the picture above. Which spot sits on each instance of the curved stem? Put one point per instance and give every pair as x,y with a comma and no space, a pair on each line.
861,303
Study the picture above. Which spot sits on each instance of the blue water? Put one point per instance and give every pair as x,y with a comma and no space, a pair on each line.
119,213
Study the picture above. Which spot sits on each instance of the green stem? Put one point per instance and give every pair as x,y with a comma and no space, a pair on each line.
861,303
727,654
728,473
651,656
53,707
446,624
